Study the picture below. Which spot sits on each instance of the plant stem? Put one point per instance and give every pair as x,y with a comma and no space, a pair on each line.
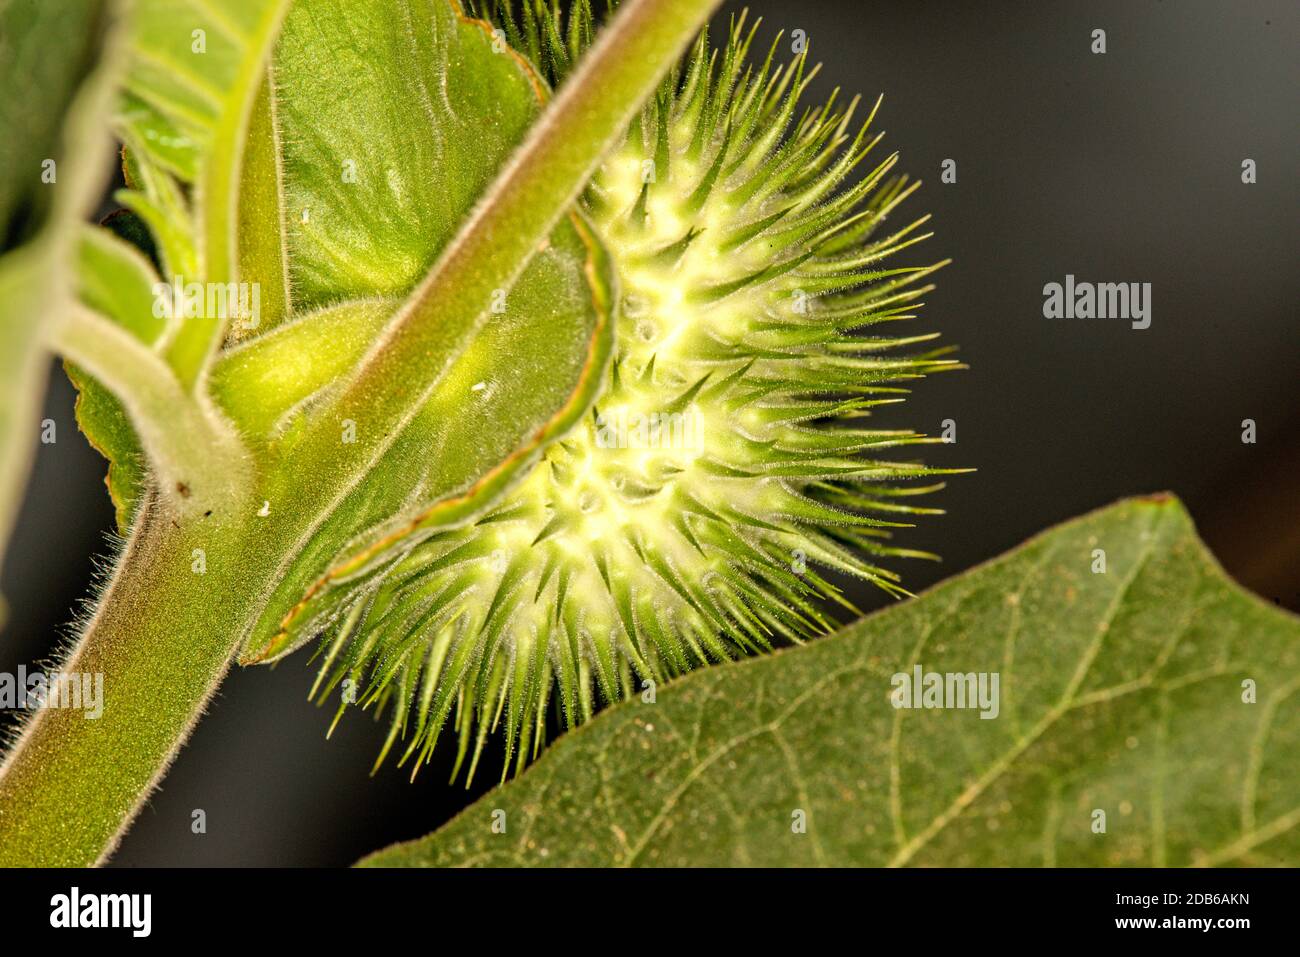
200,462
161,638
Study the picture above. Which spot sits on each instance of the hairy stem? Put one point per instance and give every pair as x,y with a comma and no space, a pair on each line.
200,462
160,642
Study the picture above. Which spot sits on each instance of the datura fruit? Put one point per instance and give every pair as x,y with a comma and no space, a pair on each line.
500,457
724,468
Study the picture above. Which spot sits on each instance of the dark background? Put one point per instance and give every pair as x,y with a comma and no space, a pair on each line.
1122,167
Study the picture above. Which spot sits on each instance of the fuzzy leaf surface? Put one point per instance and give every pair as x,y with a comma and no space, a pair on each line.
1121,691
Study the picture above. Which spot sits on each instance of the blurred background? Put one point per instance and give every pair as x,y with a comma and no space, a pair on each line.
1117,167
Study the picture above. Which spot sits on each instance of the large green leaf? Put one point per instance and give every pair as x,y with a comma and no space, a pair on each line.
50,167
1129,691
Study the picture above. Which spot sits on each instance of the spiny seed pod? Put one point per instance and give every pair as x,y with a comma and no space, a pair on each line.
724,464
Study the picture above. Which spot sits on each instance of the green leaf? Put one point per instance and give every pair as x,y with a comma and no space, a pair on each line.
392,123
195,71
116,280
108,429
1127,692
50,114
